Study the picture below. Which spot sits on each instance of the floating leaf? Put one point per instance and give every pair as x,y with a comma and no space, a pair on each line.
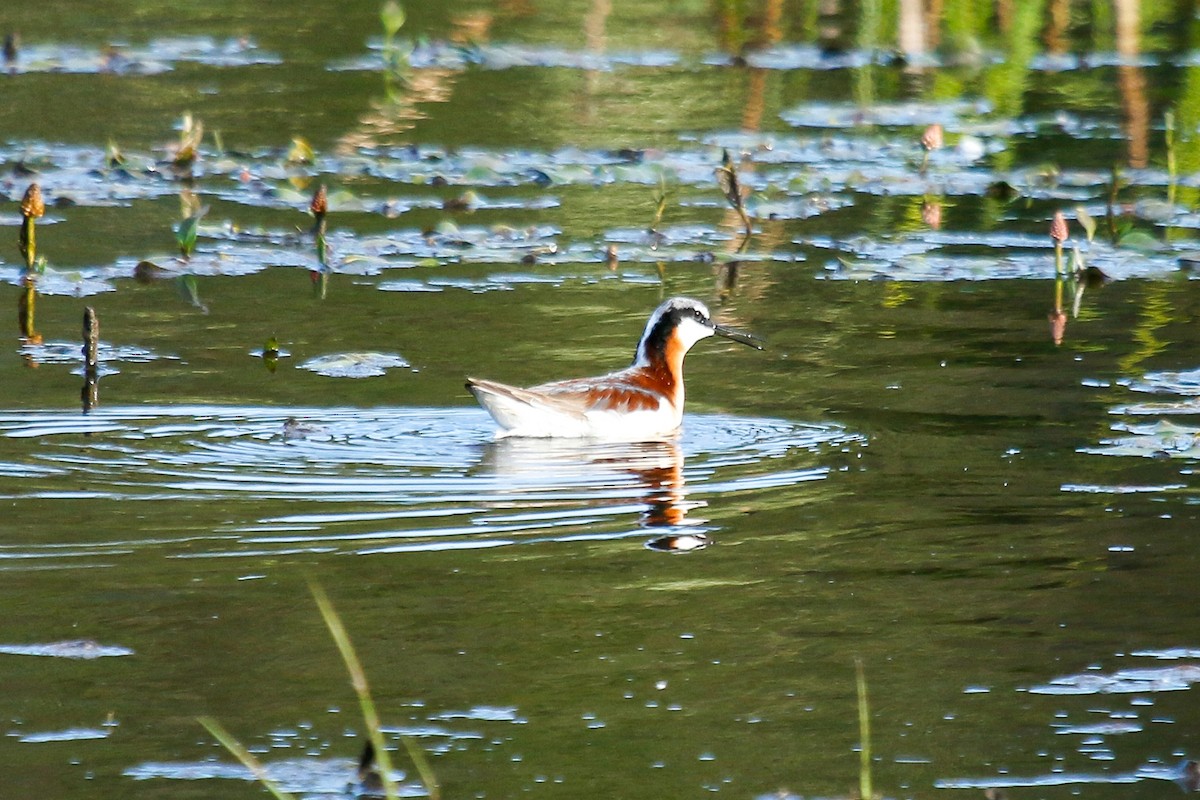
1139,240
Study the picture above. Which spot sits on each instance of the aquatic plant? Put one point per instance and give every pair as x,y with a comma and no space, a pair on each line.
190,291
187,149
188,227
32,207
185,233
660,203
1172,166
230,743
90,394
301,151
1059,233
932,139
376,749
358,679
113,157
727,179
319,207
1057,318
1115,183
396,61
865,789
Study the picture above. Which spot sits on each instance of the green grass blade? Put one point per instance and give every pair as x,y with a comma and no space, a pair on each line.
253,764
358,679
424,770
864,732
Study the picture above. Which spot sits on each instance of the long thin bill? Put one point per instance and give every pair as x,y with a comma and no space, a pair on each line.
739,337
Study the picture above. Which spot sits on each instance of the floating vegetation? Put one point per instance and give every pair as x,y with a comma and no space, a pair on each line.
69,352
354,365
84,649
442,55
1163,439
68,735
946,256
157,56
1146,680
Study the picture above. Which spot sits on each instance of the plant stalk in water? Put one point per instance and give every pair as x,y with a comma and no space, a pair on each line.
865,789
1172,168
1059,233
245,756
395,58
32,207
727,179
660,203
90,395
358,679
319,208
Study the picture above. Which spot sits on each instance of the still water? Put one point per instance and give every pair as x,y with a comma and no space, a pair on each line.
974,478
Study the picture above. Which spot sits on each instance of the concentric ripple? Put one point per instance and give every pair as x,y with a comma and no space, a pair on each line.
343,480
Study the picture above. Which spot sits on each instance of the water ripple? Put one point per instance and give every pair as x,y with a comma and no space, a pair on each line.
370,481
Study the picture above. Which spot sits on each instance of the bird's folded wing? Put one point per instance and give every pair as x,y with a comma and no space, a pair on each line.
563,404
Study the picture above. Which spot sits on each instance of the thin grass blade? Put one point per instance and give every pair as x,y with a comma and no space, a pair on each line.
251,763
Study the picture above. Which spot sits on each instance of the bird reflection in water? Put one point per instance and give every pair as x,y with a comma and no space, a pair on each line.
603,474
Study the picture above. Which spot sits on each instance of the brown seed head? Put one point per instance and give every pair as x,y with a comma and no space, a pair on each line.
1058,228
319,204
31,203
932,138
